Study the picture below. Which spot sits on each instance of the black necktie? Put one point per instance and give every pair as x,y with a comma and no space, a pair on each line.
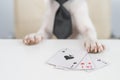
63,23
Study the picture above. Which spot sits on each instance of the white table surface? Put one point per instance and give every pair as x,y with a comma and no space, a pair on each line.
21,62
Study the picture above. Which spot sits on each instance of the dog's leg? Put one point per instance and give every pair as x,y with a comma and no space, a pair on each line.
45,31
86,27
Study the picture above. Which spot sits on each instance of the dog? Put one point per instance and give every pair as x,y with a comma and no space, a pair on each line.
82,25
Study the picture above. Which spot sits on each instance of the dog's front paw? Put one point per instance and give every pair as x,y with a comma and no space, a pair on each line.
94,46
32,39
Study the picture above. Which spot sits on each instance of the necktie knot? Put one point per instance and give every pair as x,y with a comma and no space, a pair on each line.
61,1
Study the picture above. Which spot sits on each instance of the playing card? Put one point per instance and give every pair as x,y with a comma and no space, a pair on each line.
85,64
99,63
66,58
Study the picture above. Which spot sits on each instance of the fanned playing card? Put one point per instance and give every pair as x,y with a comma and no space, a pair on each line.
66,58
86,64
99,63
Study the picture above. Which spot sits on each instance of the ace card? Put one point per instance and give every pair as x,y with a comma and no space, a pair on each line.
66,58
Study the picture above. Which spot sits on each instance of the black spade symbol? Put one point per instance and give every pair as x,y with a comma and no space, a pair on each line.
68,57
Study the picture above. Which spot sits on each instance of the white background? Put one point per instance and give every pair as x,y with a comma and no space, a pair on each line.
21,62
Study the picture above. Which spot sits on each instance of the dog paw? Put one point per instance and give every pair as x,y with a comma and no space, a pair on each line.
94,46
32,39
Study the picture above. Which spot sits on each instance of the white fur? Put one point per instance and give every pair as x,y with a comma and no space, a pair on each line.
82,24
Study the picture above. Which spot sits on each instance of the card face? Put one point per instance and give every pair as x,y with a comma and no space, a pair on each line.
86,64
99,63
66,58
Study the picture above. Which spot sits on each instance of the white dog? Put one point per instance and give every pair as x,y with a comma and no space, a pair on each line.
81,22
